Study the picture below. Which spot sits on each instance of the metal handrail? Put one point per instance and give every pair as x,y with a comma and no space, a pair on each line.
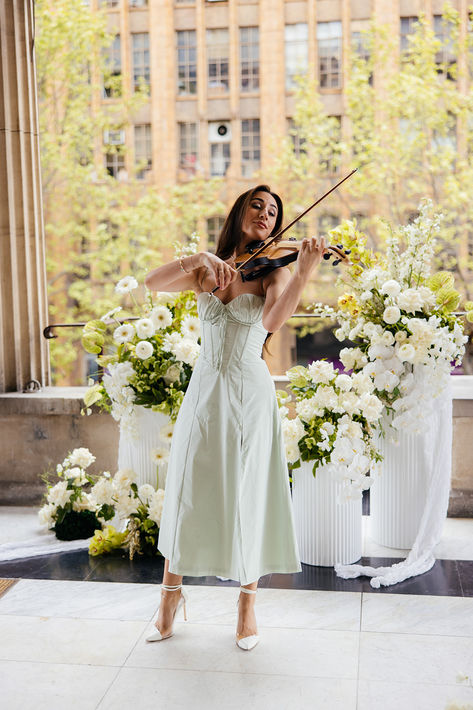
48,334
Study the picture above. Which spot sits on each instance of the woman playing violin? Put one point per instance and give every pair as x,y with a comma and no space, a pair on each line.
227,509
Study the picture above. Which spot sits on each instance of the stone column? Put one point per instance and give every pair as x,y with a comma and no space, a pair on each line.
23,300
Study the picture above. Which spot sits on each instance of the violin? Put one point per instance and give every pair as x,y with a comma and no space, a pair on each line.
280,253
269,260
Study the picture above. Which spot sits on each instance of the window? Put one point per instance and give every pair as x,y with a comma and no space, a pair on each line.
329,41
446,142
250,146
113,61
138,3
188,147
186,62
445,57
408,27
143,153
219,158
249,59
297,52
114,140
214,227
360,47
109,3
140,49
217,60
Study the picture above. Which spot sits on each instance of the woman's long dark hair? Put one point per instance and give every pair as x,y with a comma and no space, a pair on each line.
230,235
229,238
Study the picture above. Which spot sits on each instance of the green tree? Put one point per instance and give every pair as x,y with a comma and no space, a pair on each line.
97,227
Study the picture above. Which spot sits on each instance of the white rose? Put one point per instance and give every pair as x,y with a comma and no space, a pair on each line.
391,314
126,284
102,491
406,353
145,492
47,515
172,374
155,507
124,478
410,300
124,333
321,372
59,495
145,328
161,317
400,336
349,402
362,383
343,382
391,288
352,358
143,349
292,452
81,457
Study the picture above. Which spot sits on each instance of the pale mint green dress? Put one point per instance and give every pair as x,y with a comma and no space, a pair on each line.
227,505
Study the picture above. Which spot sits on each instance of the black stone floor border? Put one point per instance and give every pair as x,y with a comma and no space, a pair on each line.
446,578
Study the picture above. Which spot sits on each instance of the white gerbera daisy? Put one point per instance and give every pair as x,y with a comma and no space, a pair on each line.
191,327
159,456
161,317
124,333
166,432
126,284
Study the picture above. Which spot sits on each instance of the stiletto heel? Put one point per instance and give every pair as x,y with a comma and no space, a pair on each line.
247,642
156,635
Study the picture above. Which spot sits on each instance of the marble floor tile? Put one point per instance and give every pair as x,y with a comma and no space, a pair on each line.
18,523
60,565
278,608
465,570
407,658
373,695
59,640
212,647
87,600
53,686
413,614
181,690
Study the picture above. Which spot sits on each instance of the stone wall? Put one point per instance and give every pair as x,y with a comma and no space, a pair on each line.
38,429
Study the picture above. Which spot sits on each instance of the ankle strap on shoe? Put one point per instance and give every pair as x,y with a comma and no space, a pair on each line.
171,587
247,591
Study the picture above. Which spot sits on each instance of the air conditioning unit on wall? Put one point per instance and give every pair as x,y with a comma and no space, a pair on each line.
220,132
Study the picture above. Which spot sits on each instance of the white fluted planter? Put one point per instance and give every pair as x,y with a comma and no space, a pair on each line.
328,532
135,453
400,491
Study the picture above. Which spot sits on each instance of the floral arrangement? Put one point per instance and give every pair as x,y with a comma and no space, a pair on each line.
79,506
335,413
138,507
69,510
152,358
400,318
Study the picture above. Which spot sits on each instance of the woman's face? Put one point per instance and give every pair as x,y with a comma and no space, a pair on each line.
260,217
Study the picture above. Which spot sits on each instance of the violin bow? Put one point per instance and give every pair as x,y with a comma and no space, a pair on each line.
281,231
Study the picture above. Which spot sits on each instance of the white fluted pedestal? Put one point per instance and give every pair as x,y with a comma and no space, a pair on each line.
135,453
328,532
401,493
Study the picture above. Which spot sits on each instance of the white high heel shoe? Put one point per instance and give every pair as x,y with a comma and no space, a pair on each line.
247,642
156,635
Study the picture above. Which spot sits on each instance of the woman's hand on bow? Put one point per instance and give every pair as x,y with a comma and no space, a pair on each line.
223,271
310,255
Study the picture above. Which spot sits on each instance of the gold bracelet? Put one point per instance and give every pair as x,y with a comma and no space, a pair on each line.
180,262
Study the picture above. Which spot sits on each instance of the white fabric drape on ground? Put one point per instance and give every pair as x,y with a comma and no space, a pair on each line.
436,445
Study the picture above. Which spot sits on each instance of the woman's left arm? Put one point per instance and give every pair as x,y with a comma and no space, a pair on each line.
283,291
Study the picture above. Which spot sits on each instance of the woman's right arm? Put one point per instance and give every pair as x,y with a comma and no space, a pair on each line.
170,277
